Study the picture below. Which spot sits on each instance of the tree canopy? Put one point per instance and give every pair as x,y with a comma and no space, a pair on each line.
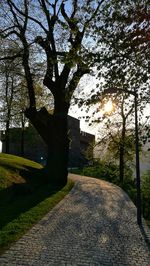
64,40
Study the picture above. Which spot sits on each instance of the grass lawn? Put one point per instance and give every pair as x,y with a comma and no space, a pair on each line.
25,197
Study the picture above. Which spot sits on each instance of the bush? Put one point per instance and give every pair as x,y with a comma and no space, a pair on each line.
102,170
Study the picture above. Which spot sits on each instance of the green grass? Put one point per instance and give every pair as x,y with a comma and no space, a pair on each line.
10,168
24,197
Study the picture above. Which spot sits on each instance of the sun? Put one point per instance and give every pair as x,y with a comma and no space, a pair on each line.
108,107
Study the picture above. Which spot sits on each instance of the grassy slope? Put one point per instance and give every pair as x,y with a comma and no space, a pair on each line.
10,167
24,197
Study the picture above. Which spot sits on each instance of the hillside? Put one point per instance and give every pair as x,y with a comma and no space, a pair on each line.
13,169
25,197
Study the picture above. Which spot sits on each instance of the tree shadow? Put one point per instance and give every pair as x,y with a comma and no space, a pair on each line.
99,223
20,197
145,231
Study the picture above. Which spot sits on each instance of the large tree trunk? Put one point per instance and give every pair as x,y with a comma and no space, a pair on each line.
54,131
58,147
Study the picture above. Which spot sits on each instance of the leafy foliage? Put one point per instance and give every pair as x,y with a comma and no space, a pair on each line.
100,170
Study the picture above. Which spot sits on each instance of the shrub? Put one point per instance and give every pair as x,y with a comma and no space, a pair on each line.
100,170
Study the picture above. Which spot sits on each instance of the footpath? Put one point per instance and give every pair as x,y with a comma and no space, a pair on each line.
94,225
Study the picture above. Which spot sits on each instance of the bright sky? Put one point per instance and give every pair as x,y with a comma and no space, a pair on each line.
87,84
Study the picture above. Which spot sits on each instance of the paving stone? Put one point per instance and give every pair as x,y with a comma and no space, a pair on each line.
94,225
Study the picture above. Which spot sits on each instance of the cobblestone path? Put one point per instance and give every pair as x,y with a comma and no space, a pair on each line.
95,224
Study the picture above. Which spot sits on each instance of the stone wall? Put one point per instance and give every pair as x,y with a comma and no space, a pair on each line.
35,148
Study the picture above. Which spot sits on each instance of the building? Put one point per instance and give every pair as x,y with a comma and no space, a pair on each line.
32,146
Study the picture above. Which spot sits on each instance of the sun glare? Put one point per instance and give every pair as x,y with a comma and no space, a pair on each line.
108,107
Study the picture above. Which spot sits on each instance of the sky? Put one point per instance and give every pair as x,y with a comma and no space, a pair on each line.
86,84
94,129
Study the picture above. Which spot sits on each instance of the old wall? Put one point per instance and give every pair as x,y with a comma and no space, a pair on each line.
35,148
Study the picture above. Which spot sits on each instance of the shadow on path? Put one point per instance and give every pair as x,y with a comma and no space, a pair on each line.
95,224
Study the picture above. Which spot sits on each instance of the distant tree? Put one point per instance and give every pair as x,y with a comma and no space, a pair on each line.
123,61
117,127
9,73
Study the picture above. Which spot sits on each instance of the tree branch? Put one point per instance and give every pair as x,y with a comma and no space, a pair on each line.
72,23
64,76
10,33
13,13
26,15
130,111
50,64
74,8
82,69
9,28
29,17
93,15
115,90
11,57
28,75
50,36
